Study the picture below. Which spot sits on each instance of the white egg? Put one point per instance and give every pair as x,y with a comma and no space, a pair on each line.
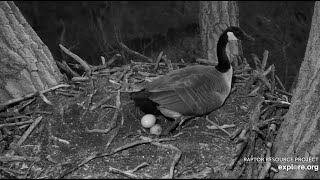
156,129
148,120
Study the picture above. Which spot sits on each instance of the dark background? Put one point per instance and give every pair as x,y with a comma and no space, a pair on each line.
91,29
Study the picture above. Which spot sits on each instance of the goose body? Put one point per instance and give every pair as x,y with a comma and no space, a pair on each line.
194,90
191,91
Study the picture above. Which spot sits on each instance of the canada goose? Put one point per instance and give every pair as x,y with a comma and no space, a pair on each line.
194,90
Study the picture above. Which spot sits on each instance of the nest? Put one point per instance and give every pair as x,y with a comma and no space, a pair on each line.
89,127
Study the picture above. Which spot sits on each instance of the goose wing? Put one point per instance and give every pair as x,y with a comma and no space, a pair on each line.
194,90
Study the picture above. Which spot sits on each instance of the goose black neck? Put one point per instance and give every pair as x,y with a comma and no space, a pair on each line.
223,61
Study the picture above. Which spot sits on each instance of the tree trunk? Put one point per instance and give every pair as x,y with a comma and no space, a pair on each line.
299,135
215,17
26,64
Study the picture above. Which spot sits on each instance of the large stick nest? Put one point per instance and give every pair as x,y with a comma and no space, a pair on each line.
89,127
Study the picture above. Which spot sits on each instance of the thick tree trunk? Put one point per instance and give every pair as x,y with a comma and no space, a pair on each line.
215,17
299,135
26,64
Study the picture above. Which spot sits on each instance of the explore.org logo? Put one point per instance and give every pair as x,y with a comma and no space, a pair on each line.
288,163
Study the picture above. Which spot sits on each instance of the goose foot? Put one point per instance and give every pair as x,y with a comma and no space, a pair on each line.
172,126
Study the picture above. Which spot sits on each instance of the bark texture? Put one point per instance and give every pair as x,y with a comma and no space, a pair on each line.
215,17
299,135
26,64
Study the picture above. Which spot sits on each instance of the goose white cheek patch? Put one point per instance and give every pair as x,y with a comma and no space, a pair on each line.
231,36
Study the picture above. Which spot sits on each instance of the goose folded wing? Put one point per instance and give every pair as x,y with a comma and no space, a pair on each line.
178,78
189,94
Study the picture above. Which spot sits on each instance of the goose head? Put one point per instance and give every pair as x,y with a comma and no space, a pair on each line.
235,33
232,33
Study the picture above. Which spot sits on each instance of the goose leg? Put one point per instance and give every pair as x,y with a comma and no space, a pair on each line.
173,125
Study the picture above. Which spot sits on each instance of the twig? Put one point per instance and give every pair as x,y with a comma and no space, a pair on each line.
251,80
115,133
12,101
265,122
125,70
168,62
264,60
83,63
80,79
160,64
250,153
103,60
266,72
242,65
225,126
157,62
278,102
240,71
103,66
175,159
113,120
77,66
253,119
237,132
18,158
239,148
284,92
16,149
270,134
264,80
125,173
216,135
241,172
267,165
26,134
25,104
66,94
258,131
280,83
254,91
124,47
139,167
10,172
217,126
144,140
125,86
26,175
59,140
129,173
108,106
45,99
104,100
17,117
30,129
199,175
241,77
90,96
16,124
65,67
